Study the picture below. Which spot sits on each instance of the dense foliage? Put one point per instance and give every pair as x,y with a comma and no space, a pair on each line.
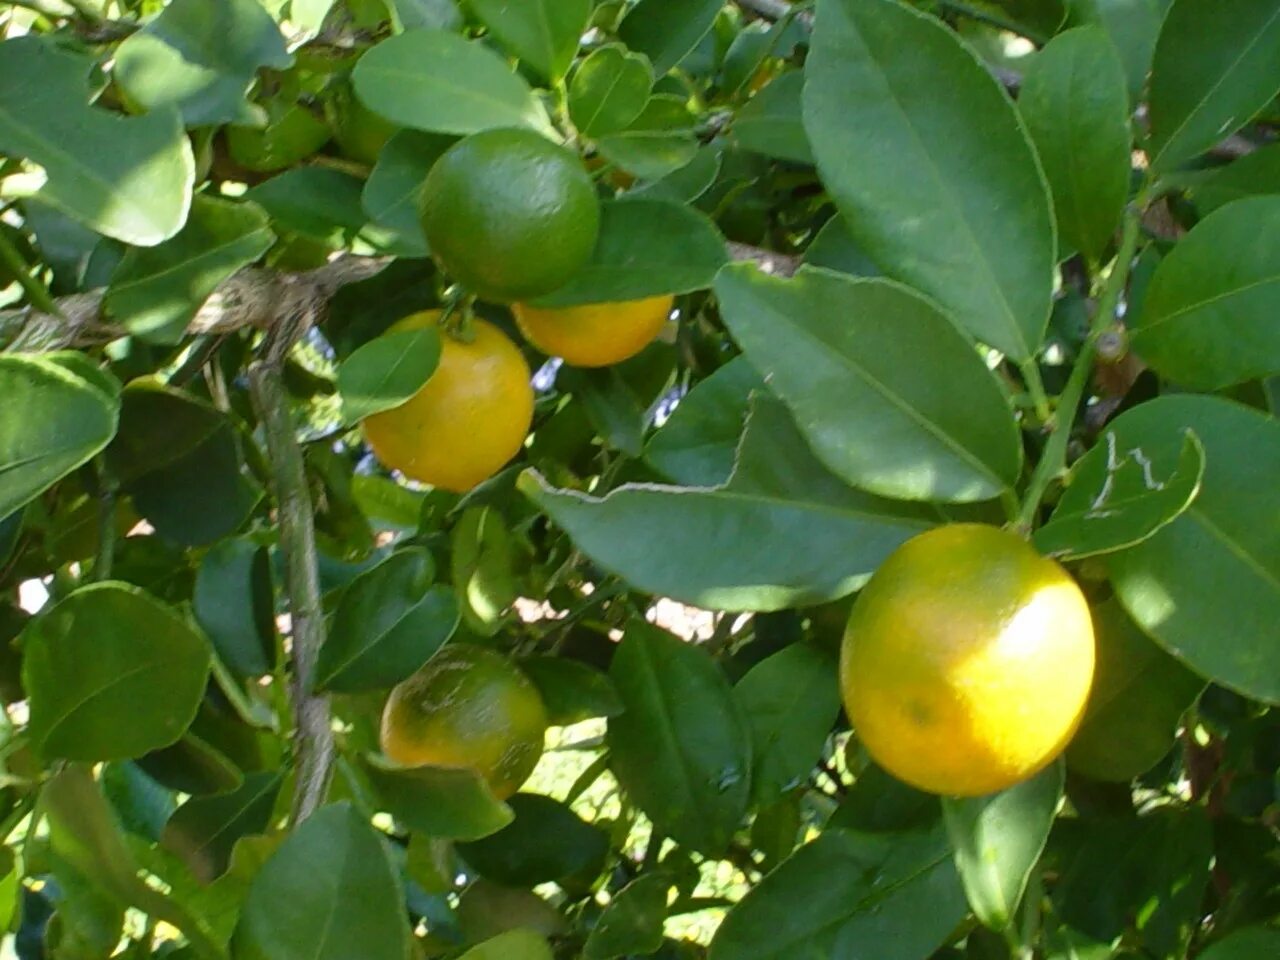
1013,262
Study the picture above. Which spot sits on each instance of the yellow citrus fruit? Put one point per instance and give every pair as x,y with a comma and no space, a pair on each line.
509,214
595,334
469,708
967,660
468,420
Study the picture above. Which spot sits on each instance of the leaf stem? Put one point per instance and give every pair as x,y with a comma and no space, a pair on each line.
35,290
1053,460
1035,388
313,734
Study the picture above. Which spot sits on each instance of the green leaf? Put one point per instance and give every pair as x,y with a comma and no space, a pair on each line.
1229,537
612,407
824,539
880,803
390,196
317,202
292,134
545,842
571,690
488,909
85,836
1076,108
938,427
52,422
790,700
772,121
1115,500
156,291
127,178
1249,943
542,33
609,90
688,183
159,426
1139,694
1148,872
201,56
192,765
234,603
658,142
632,923
387,502
387,371
1248,176
892,896
437,81
666,31
481,568
697,445
389,622
438,801
410,14
513,945
999,838
947,195
835,249
1213,69
204,830
645,248
112,674
1208,318
333,866
695,789
1131,26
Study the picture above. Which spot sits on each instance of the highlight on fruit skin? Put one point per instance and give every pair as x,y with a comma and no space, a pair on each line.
594,334
469,419
468,708
967,661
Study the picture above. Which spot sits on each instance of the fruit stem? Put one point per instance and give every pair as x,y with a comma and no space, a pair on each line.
312,732
1053,461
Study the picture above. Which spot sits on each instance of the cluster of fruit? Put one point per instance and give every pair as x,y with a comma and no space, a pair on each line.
511,217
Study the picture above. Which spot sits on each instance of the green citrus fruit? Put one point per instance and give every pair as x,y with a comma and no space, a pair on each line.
469,708
509,214
360,133
967,661
595,334
469,418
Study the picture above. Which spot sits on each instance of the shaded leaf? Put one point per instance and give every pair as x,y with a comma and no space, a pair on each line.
894,895
645,248
1208,318
316,202
1213,69
1076,108
390,196
389,622
572,691
632,923
1139,694
658,142
234,603
681,748
543,33
948,195
790,700
772,123
666,31
513,945
204,830
545,842
333,865
999,838
1248,176
438,801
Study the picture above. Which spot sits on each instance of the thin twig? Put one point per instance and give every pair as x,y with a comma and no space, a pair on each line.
313,737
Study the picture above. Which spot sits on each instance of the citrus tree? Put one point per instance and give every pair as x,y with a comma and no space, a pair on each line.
675,478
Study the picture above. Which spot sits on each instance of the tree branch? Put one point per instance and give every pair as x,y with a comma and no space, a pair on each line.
770,261
313,735
253,297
